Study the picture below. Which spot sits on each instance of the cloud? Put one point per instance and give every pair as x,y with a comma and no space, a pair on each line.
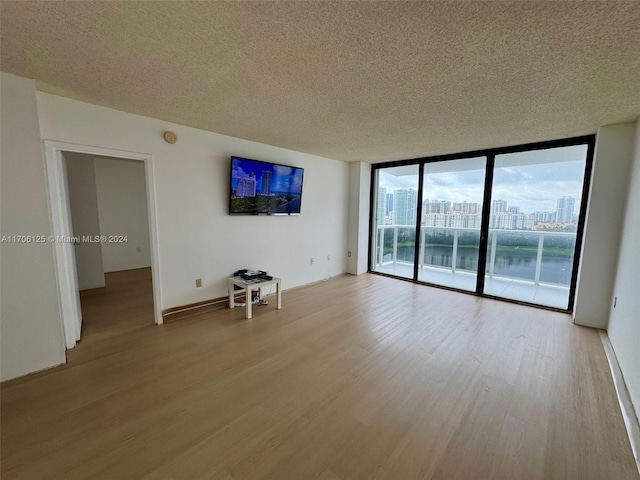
287,179
238,172
392,181
281,170
535,187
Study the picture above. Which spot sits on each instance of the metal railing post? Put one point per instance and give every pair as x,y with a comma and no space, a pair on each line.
539,259
381,246
454,255
423,234
492,263
395,243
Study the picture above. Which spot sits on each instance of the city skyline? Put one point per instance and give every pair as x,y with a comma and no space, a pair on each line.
564,204
551,202
265,179
531,180
443,213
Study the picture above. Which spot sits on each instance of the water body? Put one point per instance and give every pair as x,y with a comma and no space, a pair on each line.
292,206
520,265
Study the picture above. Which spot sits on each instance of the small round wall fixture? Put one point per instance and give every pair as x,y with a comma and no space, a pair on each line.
170,137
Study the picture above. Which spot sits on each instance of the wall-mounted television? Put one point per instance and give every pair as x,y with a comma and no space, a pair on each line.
263,188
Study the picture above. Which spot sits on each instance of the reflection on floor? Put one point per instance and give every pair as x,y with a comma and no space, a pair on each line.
359,377
522,290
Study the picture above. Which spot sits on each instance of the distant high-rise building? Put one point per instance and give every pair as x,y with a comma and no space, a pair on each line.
564,212
474,221
466,207
389,207
523,221
498,206
405,203
514,210
544,217
470,208
246,187
456,221
381,206
436,206
436,220
425,209
266,182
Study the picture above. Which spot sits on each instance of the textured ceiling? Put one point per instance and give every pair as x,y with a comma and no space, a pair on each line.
370,81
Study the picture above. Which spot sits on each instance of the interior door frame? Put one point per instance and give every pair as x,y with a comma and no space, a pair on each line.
64,253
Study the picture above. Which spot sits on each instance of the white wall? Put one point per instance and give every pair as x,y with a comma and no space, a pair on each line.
359,205
30,323
83,201
603,229
624,320
197,237
122,206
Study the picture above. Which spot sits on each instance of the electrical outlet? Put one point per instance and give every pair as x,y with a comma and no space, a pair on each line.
311,262
328,257
349,254
198,282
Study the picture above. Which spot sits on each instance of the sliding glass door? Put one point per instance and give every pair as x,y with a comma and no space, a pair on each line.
451,216
535,202
395,212
513,214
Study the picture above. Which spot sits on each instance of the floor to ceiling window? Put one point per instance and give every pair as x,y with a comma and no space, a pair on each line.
535,200
395,214
514,214
451,217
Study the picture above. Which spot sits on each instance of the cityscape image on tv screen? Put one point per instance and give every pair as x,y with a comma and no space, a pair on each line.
262,188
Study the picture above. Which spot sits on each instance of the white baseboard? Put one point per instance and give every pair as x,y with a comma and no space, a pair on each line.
628,412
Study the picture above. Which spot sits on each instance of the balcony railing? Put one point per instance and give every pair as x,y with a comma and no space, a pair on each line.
381,258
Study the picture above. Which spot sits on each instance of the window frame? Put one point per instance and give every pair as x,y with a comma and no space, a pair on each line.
490,154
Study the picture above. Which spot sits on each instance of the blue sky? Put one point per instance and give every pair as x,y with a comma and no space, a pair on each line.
532,181
283,179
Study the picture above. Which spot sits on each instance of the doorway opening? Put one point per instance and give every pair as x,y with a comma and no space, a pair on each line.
103,220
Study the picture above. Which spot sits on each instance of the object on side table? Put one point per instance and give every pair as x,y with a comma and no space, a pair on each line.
248,286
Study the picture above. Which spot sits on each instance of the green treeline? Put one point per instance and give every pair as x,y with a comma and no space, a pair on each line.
259,203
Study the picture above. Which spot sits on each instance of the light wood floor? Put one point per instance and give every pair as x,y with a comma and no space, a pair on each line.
355,378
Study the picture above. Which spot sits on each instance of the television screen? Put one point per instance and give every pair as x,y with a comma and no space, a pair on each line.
262,188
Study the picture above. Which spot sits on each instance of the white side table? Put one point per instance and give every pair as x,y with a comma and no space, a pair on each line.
248,286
